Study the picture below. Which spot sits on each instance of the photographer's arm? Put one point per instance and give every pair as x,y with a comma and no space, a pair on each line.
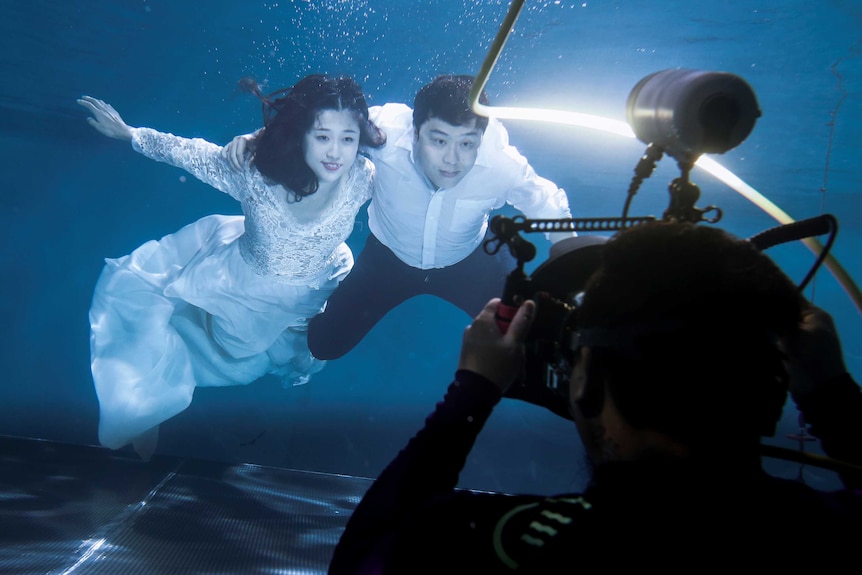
411,503
825,393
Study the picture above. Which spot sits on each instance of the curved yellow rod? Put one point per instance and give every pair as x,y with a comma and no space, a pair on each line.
735,183
623,129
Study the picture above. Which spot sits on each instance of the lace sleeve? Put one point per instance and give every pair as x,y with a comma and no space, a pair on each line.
198,157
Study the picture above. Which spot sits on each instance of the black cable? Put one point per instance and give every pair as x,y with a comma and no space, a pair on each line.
816,226
643,170
825,252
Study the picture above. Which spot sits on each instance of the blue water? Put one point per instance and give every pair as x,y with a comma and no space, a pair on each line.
71,197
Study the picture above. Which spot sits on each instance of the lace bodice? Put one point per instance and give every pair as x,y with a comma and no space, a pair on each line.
274,244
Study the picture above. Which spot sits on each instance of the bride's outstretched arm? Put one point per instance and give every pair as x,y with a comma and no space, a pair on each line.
202,159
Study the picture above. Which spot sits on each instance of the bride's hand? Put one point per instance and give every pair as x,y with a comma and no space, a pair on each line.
105,118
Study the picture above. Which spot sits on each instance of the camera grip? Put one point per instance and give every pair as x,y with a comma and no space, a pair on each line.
504,315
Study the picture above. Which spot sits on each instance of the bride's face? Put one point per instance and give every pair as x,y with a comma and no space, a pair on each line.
331,145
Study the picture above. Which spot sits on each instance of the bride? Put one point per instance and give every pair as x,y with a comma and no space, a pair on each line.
226,299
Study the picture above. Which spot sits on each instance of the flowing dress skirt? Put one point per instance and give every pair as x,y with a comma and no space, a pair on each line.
187,311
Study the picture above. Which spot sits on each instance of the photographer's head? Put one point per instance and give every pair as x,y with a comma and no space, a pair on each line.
681,329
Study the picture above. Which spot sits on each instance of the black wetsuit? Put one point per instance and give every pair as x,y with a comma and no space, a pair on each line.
674,515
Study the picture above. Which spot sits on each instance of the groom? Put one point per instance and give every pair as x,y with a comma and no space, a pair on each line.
442,171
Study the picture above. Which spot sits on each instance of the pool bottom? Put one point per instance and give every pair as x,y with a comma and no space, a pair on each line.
83,509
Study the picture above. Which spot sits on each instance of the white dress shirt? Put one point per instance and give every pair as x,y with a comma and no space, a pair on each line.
428,228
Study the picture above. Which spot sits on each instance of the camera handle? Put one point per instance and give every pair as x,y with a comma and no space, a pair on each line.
505,232
517,284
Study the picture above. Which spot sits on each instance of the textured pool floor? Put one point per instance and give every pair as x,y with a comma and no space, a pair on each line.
80,509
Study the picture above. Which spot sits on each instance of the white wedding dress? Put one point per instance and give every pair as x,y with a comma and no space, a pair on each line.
223,301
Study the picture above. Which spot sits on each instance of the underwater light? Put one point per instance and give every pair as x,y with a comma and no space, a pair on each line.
692,112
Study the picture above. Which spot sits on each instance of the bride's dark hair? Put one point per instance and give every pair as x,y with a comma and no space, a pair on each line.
288,114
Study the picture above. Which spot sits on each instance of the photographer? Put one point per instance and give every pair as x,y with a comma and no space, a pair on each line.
684,339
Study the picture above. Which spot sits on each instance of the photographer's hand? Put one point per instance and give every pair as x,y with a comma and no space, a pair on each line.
487,351
817,357
828,399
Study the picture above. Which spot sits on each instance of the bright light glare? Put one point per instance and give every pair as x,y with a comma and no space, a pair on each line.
92,547
560,117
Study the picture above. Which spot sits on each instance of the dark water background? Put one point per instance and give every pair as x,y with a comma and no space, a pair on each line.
70,197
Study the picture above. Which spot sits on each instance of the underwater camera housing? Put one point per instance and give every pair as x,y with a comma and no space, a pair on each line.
683,113
557,283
